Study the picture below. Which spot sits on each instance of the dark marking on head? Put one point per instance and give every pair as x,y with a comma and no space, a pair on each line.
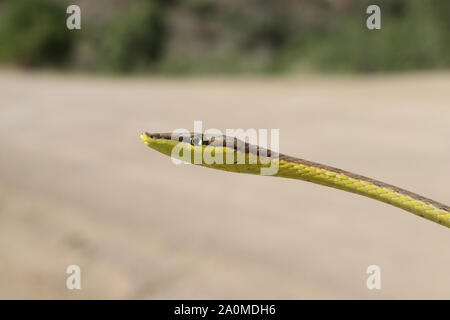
215,141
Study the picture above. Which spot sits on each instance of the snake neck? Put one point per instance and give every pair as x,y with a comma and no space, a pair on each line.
294,168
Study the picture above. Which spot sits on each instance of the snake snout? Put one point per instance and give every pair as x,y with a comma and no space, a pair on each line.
153,135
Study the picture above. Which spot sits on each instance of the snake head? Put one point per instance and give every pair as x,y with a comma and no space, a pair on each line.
167,141
214,151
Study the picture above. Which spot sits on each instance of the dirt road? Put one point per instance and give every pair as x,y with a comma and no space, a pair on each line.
78,187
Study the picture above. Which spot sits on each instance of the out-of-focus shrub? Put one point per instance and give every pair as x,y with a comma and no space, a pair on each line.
228,36
134,40
414,35
34,33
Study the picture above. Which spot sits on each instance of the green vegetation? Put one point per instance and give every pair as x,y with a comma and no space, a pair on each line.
31,33
228,36
413,36
134,40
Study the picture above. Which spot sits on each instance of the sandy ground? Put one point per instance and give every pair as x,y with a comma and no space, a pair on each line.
77,186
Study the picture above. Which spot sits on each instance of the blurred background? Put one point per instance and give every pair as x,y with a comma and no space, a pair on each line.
203,36
78,187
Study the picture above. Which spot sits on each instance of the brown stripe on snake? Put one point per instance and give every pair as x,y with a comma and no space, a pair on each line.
363,178
239,145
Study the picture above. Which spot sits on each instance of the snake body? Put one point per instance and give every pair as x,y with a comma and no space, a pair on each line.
257,158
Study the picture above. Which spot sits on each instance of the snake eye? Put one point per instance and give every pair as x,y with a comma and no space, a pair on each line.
196,141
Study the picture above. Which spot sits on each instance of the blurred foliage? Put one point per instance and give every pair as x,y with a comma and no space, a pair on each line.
134,40
33,33
415,34
223,36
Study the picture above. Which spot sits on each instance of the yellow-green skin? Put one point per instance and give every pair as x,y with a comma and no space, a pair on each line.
316,174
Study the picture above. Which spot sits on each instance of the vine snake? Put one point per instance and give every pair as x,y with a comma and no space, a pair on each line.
256,158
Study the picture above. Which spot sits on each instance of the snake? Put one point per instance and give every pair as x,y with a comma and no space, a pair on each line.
235,155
